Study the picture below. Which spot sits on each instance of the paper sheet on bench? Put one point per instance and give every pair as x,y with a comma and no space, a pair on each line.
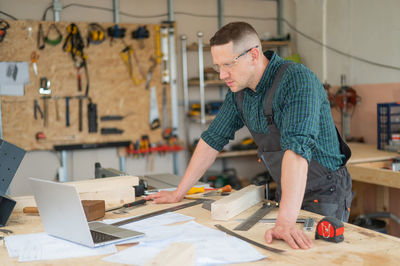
41,246
30,247
212,247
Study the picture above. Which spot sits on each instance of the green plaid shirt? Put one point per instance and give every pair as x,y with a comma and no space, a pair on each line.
301,112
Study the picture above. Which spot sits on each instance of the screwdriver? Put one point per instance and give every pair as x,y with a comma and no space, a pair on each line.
195,190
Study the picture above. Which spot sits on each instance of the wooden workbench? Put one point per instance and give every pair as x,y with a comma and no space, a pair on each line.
361,246
376,188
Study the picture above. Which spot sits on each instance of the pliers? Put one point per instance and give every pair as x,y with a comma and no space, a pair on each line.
36,108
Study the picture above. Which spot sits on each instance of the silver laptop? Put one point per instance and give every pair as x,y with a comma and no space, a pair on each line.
62,214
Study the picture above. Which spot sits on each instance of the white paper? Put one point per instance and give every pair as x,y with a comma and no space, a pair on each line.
212,247
12,89
14,73
41,246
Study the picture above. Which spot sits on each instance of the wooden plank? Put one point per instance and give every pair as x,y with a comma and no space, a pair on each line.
179,253
372,175
368,153
239,201
115,191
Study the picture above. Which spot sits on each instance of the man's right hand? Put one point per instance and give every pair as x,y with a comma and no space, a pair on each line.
165,197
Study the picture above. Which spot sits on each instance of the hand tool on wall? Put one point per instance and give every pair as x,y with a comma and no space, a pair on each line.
126,55
67,122
140,34
154,114
4,26
255,217
80,107
166,129
46,110
115,117
165,55
92,117
36,109
330,229
40,38
53,41
157,38
56,98
150,73
74,45
96,34
45,91
115,32
44,86
111,130
34,59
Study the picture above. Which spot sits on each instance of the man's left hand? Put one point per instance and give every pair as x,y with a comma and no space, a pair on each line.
293,236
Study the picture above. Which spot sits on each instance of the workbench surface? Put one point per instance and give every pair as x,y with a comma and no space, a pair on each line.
360,247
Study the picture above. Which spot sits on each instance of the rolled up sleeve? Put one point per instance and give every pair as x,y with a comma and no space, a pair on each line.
224,126
300,116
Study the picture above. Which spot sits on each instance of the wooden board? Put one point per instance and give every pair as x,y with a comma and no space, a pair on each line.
116,191
362,153
237,202
111,88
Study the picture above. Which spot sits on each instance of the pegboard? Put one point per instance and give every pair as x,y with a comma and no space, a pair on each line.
111,88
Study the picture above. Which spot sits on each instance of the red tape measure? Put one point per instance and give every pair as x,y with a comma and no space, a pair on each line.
330,229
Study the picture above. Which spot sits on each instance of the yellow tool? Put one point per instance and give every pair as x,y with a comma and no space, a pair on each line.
126,55
158,44
195,190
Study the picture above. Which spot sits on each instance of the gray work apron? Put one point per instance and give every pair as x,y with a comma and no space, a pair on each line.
327,192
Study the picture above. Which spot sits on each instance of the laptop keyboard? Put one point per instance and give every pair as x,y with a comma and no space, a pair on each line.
99,237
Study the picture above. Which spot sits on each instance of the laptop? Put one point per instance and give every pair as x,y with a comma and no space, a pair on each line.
62,215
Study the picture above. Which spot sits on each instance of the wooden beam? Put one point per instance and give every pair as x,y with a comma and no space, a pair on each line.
230,206
115,191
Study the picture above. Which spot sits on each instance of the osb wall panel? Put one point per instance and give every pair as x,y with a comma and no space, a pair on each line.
111,88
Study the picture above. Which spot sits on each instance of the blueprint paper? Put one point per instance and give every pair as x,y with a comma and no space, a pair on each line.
212,247
41,246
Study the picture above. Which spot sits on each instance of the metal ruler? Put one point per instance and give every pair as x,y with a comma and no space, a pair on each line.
148,215
223,229
255,217
308,222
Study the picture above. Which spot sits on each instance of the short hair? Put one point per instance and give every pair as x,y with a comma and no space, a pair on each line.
239,33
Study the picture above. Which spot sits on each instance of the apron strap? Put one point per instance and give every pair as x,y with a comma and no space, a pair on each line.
268,112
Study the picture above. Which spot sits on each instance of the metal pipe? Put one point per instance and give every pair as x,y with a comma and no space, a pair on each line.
116,11
173,86
122,163
220,14
185,75
201,79
279,9
170,10
64,166
57,7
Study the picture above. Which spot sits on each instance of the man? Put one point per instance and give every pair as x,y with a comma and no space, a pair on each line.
285,107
